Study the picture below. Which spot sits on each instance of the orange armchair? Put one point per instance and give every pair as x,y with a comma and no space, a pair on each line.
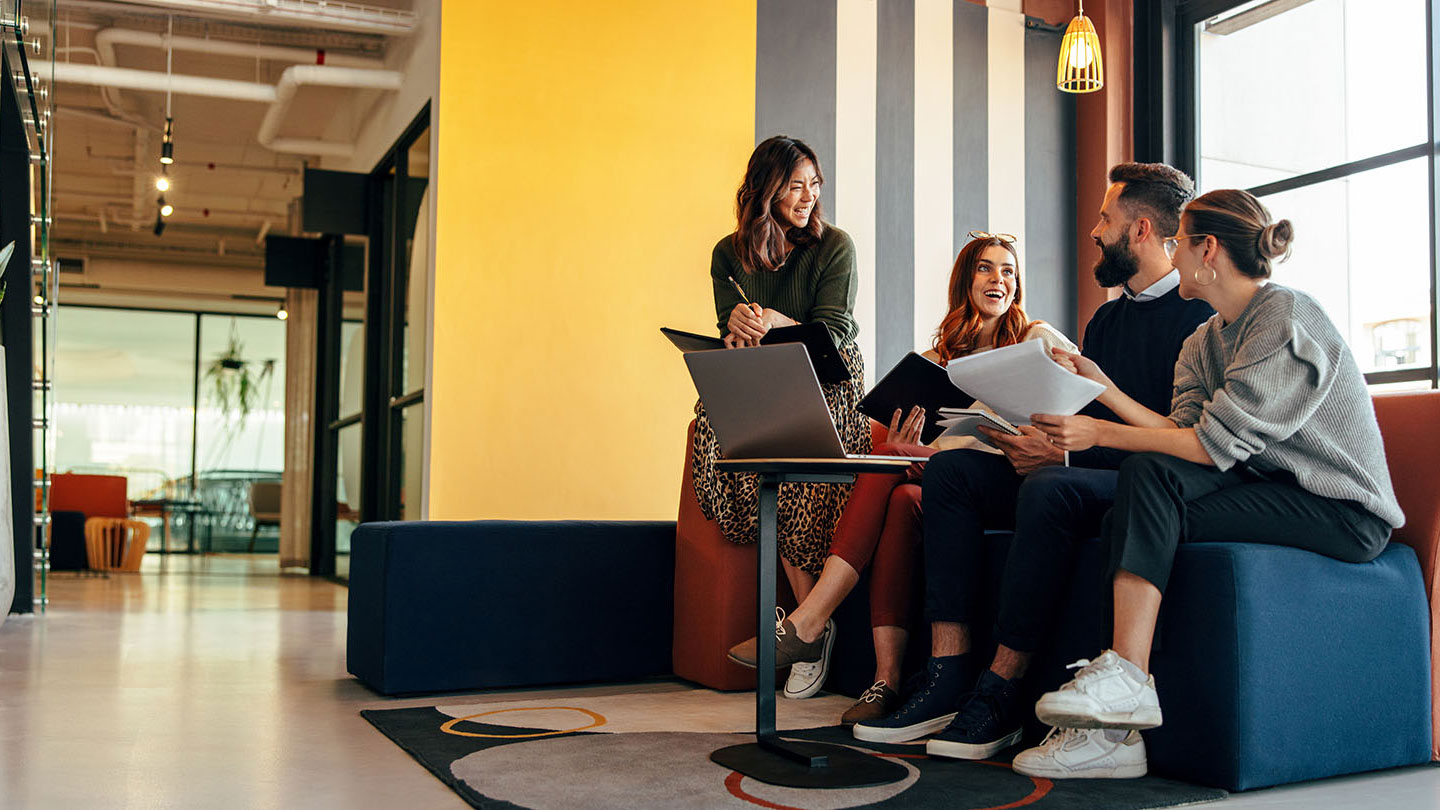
1412,448
715,591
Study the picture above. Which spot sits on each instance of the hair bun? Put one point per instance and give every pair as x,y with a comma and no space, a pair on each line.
1275,238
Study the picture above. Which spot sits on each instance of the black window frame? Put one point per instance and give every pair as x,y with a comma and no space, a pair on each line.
382,401
1166,116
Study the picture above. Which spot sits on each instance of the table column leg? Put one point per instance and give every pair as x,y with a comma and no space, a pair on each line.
765,733
765,598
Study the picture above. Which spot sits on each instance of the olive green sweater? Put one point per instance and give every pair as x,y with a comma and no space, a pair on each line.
816,283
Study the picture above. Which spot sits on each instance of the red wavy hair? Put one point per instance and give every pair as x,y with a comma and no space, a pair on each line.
959,332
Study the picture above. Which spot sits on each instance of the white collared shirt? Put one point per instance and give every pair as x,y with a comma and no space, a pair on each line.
1167,282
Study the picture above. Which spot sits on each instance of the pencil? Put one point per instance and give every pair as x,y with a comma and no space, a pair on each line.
738,289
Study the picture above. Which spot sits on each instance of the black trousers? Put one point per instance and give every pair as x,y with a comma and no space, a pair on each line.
1162,501
1051,510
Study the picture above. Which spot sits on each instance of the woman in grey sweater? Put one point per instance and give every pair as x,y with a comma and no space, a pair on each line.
1271,438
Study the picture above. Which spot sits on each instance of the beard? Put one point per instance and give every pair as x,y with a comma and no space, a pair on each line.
1117,263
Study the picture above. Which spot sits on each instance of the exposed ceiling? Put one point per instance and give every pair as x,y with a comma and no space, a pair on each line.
227,188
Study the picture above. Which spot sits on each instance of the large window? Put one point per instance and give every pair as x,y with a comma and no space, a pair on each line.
125,395
1320,109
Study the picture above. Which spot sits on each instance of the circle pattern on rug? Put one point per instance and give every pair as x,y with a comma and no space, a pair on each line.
659,769
595,720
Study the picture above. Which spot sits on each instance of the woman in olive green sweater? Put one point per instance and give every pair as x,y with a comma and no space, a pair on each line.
794,268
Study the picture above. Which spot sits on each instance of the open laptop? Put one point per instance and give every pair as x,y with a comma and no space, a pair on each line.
765,402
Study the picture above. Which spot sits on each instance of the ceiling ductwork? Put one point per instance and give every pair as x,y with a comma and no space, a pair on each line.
107,39
278,96
328,14
298,76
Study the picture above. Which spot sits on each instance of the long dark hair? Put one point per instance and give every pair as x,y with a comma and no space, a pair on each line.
1242,225
959,332
759,235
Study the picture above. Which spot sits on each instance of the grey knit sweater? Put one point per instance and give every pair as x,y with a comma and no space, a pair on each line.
1279,390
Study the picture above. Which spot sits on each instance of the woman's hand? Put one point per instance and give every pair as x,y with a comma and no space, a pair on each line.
1081,365
908,431
772,319
1072,433
746,326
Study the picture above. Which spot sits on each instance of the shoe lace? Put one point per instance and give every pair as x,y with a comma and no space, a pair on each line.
779,622
921,688
1063,738
875,694
1088,669
977,708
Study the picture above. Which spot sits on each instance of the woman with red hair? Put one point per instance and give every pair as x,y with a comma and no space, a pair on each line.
880,526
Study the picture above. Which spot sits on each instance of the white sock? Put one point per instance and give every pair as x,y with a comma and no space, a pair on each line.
1130,668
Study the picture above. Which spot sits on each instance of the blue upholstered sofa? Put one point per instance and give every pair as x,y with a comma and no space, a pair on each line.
1273,665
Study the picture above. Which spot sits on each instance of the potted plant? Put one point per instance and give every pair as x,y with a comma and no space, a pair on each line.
233,382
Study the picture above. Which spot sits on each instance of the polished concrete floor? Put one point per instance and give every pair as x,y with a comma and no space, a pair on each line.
220,683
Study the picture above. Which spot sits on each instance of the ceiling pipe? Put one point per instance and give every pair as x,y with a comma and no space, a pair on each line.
298,76
342,16
105,76
107,39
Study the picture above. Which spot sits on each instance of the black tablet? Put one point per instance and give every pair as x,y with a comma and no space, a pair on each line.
691,342
829,367
913,381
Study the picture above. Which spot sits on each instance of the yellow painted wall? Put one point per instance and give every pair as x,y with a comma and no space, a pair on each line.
588,160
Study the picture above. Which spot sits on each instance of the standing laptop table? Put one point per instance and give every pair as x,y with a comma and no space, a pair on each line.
769,758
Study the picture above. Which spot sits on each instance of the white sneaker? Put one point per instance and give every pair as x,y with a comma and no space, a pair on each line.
1085,753
1103,695
807,678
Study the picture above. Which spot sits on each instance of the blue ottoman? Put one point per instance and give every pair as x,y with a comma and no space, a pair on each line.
1279,665
1274,665
439,607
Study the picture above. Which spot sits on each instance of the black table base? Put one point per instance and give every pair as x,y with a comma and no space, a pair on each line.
794,764
771,759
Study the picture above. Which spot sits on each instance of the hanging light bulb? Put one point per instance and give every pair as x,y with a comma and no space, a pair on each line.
166,209
167,147
1081,68
281,313
162,184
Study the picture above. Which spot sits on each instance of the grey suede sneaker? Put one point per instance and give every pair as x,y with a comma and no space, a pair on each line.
789,649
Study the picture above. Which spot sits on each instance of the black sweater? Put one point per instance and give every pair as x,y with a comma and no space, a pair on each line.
1136,344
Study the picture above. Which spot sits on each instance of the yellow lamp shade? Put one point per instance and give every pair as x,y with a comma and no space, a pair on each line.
1081,68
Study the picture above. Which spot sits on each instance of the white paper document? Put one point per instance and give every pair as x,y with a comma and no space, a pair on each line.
1021,379
964,421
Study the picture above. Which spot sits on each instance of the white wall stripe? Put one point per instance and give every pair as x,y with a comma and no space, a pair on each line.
934,162
856,69
1006,111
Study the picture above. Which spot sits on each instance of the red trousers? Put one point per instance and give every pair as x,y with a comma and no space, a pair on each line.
880,527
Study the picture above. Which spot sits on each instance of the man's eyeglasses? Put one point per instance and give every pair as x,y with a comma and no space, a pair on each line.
1173,243
1007,238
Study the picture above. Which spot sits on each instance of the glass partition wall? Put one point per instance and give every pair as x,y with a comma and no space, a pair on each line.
371,460
188,407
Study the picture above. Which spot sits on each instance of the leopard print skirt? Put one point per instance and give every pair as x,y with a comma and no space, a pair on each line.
807,512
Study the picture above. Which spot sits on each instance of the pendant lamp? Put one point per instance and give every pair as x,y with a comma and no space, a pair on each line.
1081,70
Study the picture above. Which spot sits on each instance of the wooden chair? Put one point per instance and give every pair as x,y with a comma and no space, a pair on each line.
115,544
264,507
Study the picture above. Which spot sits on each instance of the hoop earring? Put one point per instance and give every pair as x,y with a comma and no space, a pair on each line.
1213,276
